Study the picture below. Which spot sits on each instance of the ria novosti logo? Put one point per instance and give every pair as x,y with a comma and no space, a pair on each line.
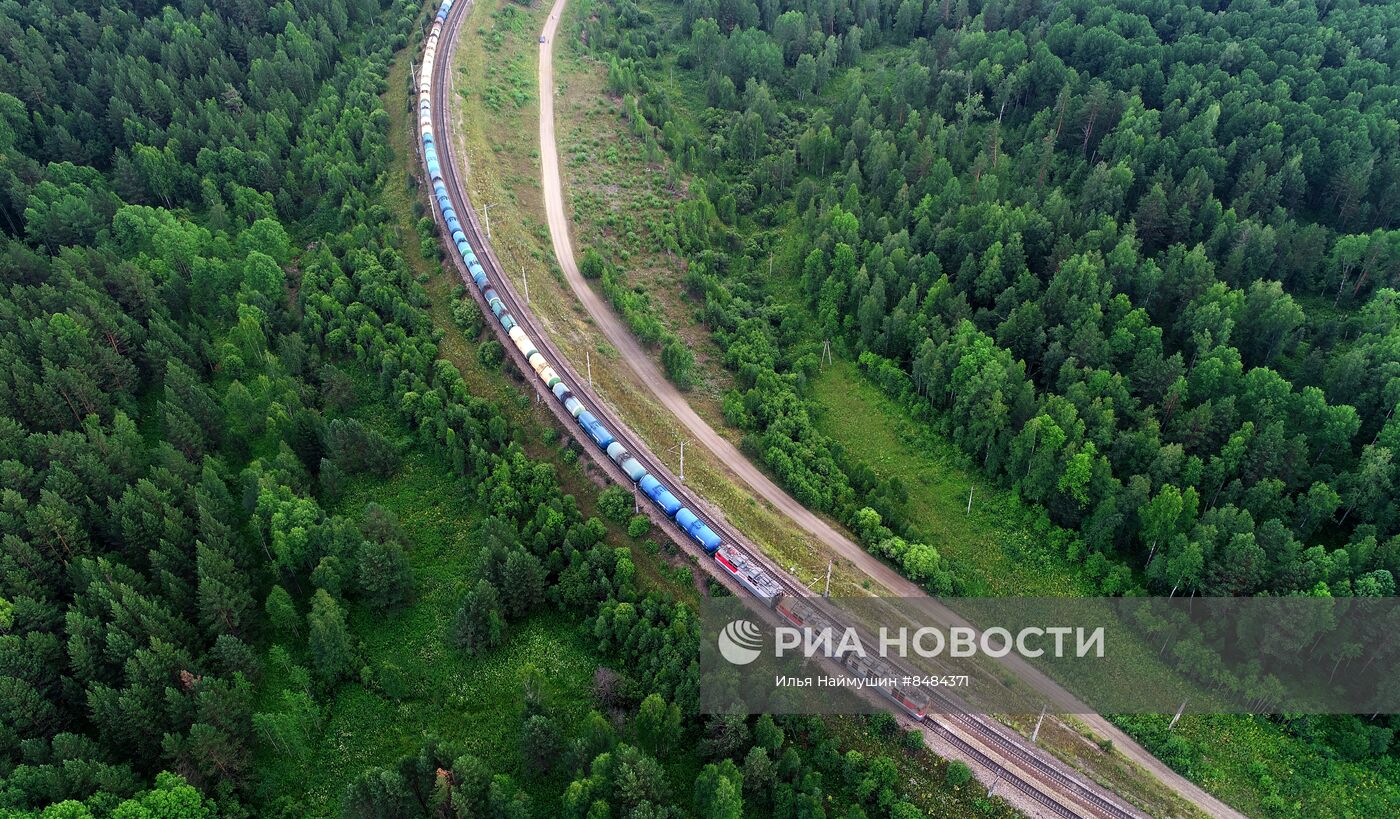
740,642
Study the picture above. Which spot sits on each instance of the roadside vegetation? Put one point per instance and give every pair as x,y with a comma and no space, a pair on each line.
994,544
620,188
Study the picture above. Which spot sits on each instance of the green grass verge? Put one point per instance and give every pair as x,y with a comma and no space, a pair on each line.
992,552
1251,763
1256,766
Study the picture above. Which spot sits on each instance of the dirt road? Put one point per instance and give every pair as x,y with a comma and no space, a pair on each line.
651,376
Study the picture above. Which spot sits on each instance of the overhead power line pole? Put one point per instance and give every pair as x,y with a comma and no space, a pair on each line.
486,217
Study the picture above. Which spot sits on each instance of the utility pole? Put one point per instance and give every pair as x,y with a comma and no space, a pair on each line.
486,217
1036,732
826,592
826,352
994,784
969,500
1172,724
526,276
681,446
588,360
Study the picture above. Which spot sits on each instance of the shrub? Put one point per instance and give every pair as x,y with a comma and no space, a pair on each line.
615,504
593,265
679,362
491,354
467,317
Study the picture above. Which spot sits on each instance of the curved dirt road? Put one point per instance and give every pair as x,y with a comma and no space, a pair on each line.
649,373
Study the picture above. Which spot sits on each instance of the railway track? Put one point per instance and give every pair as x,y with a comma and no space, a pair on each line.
1011,747
1046,783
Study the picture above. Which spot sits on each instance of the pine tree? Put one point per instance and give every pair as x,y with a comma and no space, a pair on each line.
328,638
282,613
383,575
523,583
224,597
478,625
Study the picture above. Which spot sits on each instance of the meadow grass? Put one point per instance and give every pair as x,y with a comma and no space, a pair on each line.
1254,764
1250,762
621,201
434,689
991,551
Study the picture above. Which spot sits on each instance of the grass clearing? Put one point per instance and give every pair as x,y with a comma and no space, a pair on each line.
422,685
1254,765
620,203
993,553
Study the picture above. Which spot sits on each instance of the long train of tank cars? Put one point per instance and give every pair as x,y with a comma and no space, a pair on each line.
728,556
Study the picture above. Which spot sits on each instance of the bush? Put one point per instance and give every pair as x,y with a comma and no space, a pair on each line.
679,362
885,723
913,740
593,265
615,504
427,237
491,354
467,317
958,773
638,526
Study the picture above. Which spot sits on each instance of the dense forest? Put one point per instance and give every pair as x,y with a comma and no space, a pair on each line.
1134,259
204,289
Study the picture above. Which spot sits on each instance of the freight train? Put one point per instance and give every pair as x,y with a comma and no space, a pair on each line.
748,572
